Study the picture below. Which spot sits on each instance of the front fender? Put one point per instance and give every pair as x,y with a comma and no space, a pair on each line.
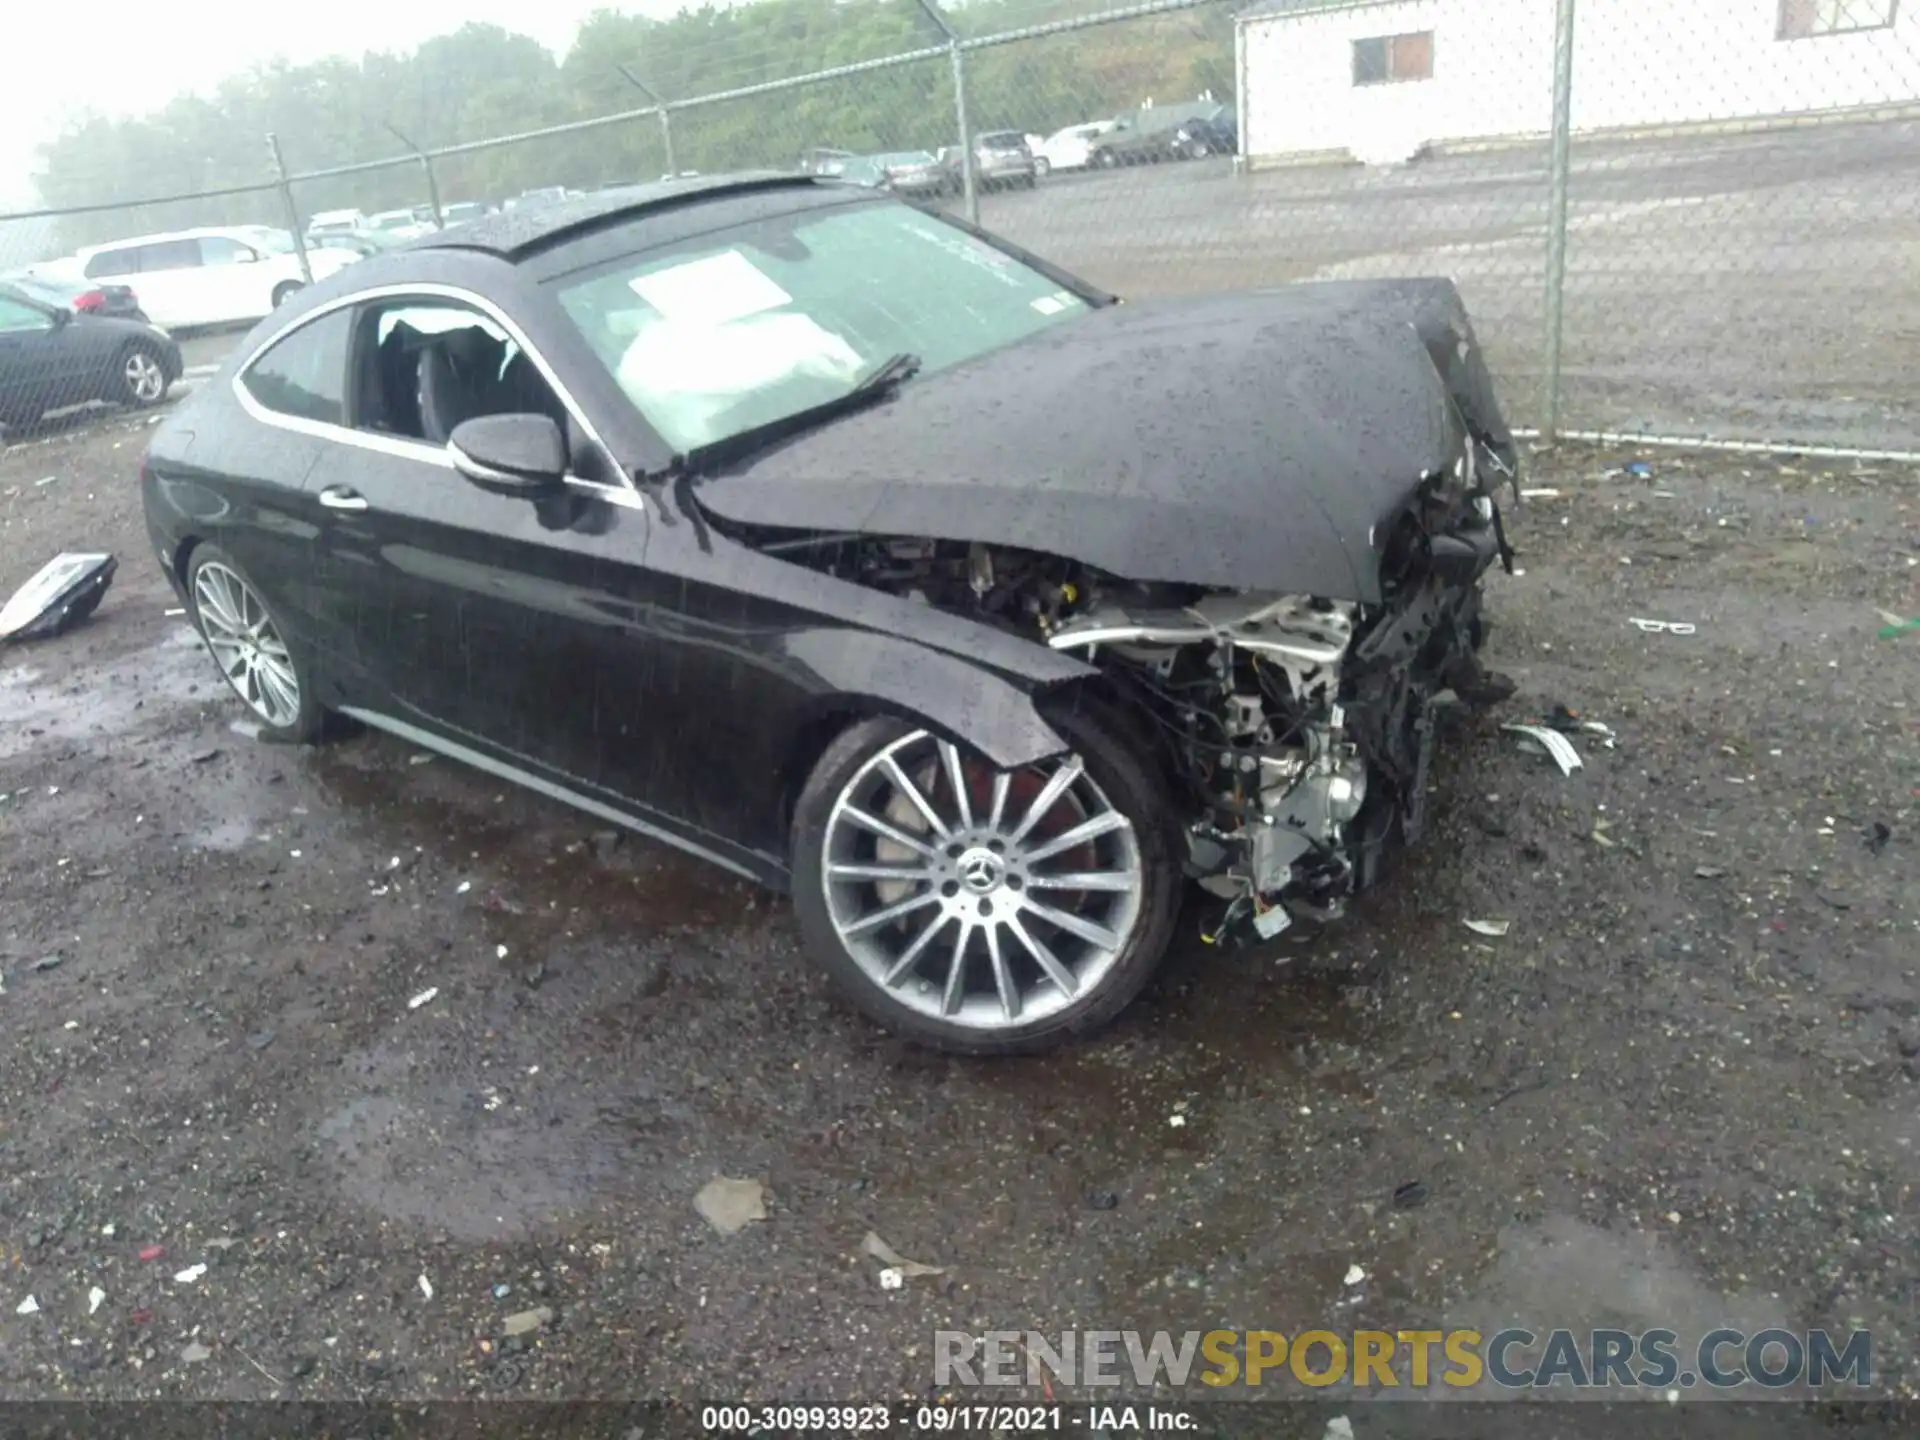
993,715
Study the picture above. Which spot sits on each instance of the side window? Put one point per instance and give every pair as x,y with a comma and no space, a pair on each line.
16,317
304,375
113,262
170,255
224,250
427,366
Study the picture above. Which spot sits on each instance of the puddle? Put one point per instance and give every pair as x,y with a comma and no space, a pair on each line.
39,706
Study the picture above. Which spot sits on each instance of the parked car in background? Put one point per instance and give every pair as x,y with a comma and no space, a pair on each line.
1069,149
916,174
402,224
358,243
458,212
635,504
335,222
541,196
80,295
215,276
1165,132
822,161
1000,160
53,356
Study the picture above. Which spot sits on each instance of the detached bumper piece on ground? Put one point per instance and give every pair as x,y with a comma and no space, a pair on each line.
62,593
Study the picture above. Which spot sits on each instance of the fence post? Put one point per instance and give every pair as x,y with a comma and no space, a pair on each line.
426,164
958,56
1560,170
293,211
666,115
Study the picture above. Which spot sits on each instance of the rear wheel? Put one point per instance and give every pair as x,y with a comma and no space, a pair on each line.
142,380
978,910
251,648
1106,159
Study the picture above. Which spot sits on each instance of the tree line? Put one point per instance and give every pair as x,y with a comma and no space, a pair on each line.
483,81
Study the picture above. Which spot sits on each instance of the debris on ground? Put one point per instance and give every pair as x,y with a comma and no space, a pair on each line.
28,1306
1896,624
1876,836
46,962
731,1205
1708,872
891,1258
59,595
425,997
1103,1200
189,1275
891,1279
1338,1428
502,1290
260,1039
1551,741
195,1353
95,1298
526,1321
1355,1275
1540,492
1411,1196
1640,470
151,1253
1662,627
426,1286
1494,928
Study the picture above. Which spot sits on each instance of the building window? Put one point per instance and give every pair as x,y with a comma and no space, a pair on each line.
1385,59
1800,19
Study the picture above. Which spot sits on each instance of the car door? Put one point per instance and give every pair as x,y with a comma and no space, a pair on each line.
168,283
231,281
467,614
34,366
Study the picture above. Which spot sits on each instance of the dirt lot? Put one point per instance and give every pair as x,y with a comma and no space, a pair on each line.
1683,1089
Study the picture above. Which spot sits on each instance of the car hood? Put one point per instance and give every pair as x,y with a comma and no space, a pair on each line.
1252,441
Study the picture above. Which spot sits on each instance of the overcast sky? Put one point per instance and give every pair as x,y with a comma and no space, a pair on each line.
137,57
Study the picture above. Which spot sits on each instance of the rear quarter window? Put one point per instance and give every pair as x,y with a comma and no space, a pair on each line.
113,262
303,375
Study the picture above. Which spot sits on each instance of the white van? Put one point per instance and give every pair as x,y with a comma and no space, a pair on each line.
216,276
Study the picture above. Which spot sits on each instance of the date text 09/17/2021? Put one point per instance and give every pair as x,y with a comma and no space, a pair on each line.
944,1419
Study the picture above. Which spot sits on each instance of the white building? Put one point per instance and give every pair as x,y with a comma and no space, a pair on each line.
1381,79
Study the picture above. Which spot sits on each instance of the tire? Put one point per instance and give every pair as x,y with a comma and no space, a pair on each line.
1122,925
285,291
1030,182
262,666
1042,167
140,378
1105,159
1198,150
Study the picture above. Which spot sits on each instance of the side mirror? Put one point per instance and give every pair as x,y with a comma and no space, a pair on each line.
517,455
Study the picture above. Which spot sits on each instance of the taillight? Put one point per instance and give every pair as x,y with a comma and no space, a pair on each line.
92,300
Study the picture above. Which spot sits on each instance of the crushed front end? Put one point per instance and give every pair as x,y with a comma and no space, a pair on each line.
1303,727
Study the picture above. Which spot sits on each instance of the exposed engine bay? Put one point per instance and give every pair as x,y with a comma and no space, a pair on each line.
1300,729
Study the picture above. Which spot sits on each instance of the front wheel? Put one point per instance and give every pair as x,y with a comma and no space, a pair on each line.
251,648
978,910
1042,166
1106,159
142,380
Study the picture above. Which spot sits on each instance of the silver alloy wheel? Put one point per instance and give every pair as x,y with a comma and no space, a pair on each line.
145,379
246,645
985,899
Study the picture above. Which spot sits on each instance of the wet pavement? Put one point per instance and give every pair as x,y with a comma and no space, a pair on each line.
1682,1089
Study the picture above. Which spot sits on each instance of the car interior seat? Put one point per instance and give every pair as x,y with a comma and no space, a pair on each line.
459,378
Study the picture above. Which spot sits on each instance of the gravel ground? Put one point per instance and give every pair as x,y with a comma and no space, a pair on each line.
1680,1090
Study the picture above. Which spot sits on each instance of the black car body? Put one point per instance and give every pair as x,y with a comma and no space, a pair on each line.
53,357
533,494
80,295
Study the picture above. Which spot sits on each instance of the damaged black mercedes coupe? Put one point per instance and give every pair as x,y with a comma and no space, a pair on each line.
872,558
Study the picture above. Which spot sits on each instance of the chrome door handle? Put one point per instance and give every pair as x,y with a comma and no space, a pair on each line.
338,497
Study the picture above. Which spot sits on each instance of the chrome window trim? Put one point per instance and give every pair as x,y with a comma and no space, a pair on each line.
625,494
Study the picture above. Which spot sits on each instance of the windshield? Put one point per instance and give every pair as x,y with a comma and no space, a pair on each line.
903,158
744,327
41,287
270,241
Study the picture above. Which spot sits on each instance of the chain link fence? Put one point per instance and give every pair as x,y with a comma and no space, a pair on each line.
1676,220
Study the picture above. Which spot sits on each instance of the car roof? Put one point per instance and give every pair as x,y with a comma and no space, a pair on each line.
520,232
